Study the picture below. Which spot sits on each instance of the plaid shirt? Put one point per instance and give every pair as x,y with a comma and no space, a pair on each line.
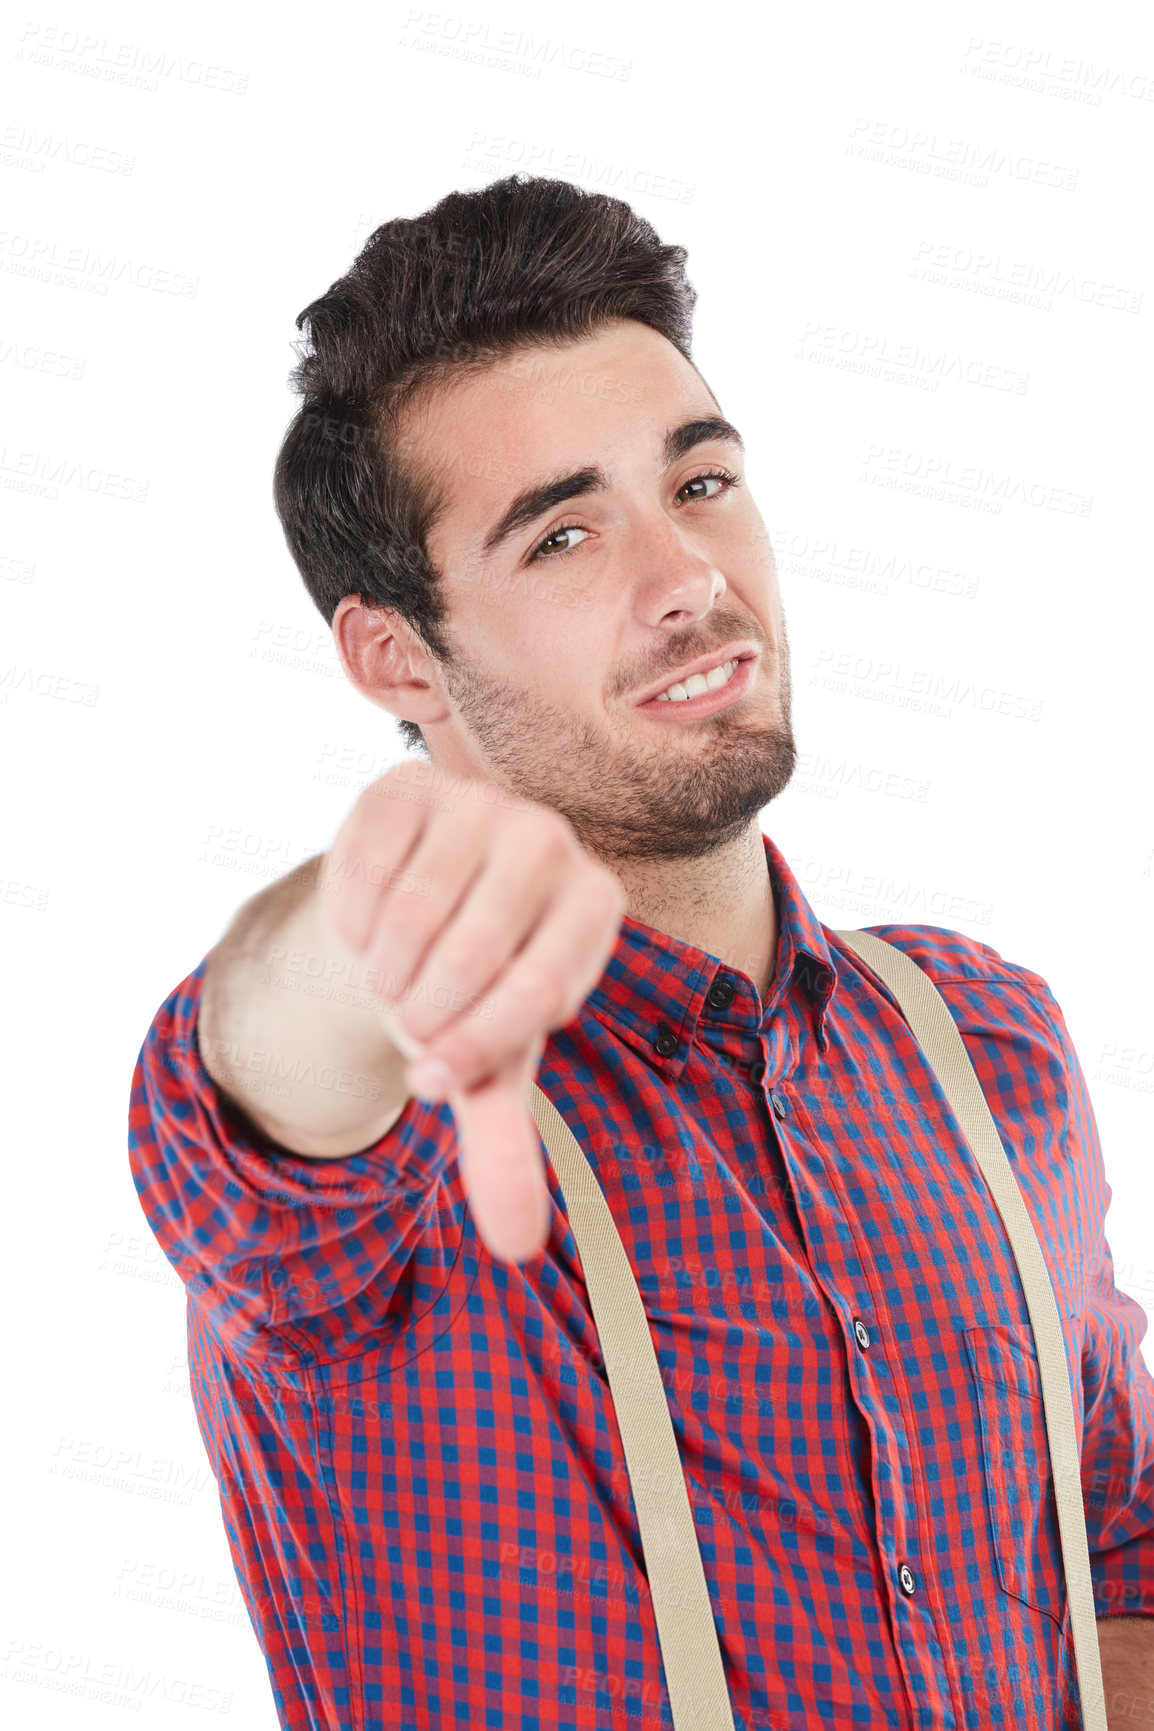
420,1470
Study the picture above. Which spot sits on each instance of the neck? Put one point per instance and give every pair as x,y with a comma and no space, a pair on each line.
722,902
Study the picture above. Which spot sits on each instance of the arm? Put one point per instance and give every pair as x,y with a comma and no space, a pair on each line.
286,1169
289,1028
281,1254
1118,1398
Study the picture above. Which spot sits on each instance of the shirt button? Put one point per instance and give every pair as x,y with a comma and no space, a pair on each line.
906,1578
666,1041
757,1070
862,1332
778,1105
720,993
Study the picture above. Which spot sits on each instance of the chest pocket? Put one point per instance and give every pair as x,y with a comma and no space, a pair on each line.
1016,1465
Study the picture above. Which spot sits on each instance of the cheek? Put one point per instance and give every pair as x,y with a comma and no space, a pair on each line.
534,628
573,664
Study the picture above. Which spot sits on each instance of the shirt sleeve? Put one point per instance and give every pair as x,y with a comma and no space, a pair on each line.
1118,1391
291,1259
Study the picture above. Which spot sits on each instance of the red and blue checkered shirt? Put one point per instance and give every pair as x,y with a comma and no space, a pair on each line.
420,1470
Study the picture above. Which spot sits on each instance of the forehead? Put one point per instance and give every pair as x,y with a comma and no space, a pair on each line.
545,409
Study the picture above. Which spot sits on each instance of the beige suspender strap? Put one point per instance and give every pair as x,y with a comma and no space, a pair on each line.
690,1651
934,1028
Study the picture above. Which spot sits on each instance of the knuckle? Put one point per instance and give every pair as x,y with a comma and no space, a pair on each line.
403,933
549,834
368,802
466,1051
540,990
465,953
379,799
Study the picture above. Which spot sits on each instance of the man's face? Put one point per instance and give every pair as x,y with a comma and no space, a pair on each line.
564,619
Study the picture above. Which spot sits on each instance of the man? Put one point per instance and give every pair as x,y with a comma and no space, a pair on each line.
528,521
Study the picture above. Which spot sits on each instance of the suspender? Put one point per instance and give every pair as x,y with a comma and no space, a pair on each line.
687,1633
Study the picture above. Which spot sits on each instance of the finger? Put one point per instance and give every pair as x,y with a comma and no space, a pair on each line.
502,1165
527,866
543,986
440,874
368,853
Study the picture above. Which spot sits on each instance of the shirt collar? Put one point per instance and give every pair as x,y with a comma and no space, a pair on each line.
654,982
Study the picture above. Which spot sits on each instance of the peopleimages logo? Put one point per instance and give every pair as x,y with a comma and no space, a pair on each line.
850,887
927,689
476,40
1021,281
111,1682
494,150
38,473
941,478
875,355
962,159
1039,69
28,148
825,559
825,777
127,63
33,359
49,260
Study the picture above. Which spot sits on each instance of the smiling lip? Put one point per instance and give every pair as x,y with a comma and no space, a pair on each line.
703,664
707,701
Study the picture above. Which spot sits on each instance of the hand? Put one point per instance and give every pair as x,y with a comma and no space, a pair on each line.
485,925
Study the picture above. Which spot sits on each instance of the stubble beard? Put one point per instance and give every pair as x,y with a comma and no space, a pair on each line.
654,796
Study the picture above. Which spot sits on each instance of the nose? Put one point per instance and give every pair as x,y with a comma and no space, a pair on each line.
676,581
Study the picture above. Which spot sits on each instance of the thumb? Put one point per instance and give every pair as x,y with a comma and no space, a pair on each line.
502,1163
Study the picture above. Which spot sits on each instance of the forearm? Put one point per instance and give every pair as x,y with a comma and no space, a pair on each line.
290,1030
1126,1645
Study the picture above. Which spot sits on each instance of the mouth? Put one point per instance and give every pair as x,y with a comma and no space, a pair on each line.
687,699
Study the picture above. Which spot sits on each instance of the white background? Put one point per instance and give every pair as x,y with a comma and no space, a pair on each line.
955,197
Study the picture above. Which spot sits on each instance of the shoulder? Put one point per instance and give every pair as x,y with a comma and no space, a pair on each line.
986,991
1015,1031
952,956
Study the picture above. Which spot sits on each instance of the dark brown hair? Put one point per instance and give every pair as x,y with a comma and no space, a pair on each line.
520,262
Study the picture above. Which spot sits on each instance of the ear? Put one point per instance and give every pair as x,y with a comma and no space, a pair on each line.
385,660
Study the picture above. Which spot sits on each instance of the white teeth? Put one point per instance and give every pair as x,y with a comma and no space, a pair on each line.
697,683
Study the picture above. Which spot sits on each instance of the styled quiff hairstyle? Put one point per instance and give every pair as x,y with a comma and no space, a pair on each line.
522,262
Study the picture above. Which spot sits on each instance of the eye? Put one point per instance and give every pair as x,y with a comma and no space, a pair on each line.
547,548
546,551
722,476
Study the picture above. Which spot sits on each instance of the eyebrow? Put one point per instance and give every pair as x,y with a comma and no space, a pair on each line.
535,500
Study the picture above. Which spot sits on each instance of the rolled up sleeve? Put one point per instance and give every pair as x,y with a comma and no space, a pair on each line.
289,1257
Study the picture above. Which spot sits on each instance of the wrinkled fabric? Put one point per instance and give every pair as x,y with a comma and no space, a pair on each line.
421,1475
